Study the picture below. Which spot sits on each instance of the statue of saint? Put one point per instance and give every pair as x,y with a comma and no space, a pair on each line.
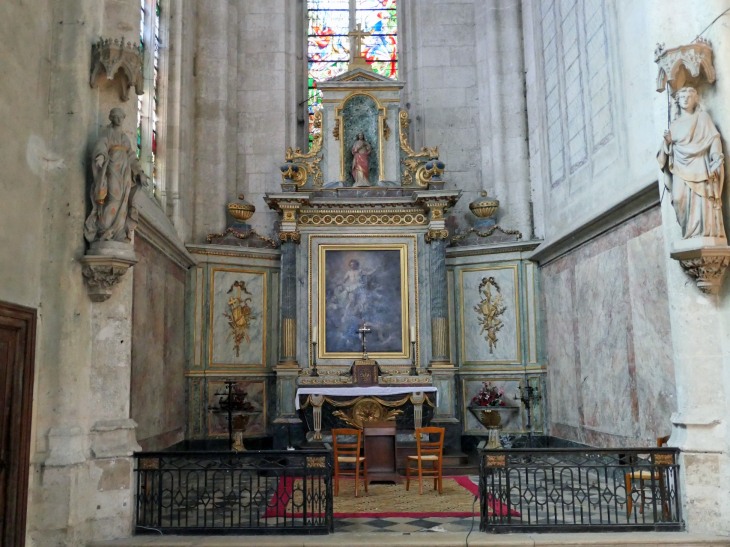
117,175
693,164
360,161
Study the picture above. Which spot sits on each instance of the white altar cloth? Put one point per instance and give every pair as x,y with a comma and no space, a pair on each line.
357,391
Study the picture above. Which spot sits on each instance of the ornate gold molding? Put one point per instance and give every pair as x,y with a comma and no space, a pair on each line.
386,130
366,410
485,234
355,217
414,162
336,130
433,235
239,235
294,237
308,161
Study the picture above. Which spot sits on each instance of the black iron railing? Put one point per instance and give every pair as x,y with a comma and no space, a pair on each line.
259,492
581,490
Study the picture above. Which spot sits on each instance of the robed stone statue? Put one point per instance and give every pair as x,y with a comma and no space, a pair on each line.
117,175
361,151
693,164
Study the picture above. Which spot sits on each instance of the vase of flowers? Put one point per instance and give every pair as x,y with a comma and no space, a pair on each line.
484,405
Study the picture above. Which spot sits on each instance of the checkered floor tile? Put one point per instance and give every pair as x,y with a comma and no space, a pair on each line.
405,525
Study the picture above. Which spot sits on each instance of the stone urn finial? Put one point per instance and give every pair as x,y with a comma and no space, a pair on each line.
241,211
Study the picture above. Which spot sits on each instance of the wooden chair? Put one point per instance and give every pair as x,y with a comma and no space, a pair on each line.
427,452
349,453
642,476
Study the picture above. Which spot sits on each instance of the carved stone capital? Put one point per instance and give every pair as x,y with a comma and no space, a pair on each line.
111,56
433,235
104,265
706,263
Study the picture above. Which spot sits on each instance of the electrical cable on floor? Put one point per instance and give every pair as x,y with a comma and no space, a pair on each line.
150,528
473,505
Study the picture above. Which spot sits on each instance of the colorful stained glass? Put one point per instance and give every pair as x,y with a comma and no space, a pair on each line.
328,50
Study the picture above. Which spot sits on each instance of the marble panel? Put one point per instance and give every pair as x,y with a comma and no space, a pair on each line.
251,391
490,315
656,391
563,389
157,395
603,315
513,421
531,313
238,319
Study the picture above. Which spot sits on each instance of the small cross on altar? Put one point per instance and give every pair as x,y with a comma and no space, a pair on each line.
357,59
364,331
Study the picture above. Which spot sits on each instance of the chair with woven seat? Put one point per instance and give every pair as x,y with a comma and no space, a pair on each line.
349,453
427,451
642,476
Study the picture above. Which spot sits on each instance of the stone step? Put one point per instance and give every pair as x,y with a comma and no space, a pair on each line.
431,539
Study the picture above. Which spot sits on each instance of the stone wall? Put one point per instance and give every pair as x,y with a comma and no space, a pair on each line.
158,349
608,340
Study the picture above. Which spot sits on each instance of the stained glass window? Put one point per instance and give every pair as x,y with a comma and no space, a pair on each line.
140,105
329,22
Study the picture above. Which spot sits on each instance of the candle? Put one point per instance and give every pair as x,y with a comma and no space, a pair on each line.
413,333
314,335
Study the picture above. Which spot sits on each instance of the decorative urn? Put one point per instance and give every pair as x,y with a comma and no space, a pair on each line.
484,208
241,211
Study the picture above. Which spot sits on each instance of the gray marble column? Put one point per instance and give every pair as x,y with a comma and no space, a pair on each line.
288,355
439,305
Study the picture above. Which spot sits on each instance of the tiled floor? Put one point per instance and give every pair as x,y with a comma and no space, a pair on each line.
406,525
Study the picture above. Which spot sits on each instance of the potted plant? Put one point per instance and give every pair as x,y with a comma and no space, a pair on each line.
485,404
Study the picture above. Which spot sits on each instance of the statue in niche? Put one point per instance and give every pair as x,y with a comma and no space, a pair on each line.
693,164
361,151
117,175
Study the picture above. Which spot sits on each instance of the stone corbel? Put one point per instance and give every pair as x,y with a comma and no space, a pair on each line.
104,265
704,259
111,56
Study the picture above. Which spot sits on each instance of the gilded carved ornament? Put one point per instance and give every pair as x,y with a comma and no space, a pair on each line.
490,309
239,315
239,235
294,237
486,233
300,166
434,235
414,161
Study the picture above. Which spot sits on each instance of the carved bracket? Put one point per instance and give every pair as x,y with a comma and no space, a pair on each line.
415,162
299,167
102,273
706,264
682,66
434,235
113,56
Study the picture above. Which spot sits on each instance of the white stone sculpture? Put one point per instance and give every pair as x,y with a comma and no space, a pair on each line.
693,164
117,174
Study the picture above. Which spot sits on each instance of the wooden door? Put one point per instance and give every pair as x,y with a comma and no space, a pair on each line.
17,347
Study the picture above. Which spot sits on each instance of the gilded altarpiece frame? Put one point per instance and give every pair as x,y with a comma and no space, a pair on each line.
407,248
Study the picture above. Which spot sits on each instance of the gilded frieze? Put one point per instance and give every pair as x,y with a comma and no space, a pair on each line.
362,217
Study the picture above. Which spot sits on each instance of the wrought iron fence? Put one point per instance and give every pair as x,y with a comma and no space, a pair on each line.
579,490
257,492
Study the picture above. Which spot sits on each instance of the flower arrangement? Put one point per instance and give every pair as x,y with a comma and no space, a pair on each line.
489,396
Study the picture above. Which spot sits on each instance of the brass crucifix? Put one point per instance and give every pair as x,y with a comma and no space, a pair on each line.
357,59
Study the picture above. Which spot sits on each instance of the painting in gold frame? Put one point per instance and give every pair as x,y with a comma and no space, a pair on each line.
360,284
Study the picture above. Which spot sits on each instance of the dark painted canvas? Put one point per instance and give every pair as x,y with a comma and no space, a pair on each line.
363,287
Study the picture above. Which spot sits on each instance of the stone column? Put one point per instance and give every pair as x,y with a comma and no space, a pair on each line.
700,322
210,171
503,123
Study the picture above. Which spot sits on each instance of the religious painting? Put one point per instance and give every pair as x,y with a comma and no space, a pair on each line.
249,407
363,286
238,317
490,317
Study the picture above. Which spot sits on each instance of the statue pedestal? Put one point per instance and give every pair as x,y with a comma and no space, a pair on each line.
103,266
705,259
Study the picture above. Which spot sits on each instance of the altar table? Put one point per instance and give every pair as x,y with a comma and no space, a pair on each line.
317,396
